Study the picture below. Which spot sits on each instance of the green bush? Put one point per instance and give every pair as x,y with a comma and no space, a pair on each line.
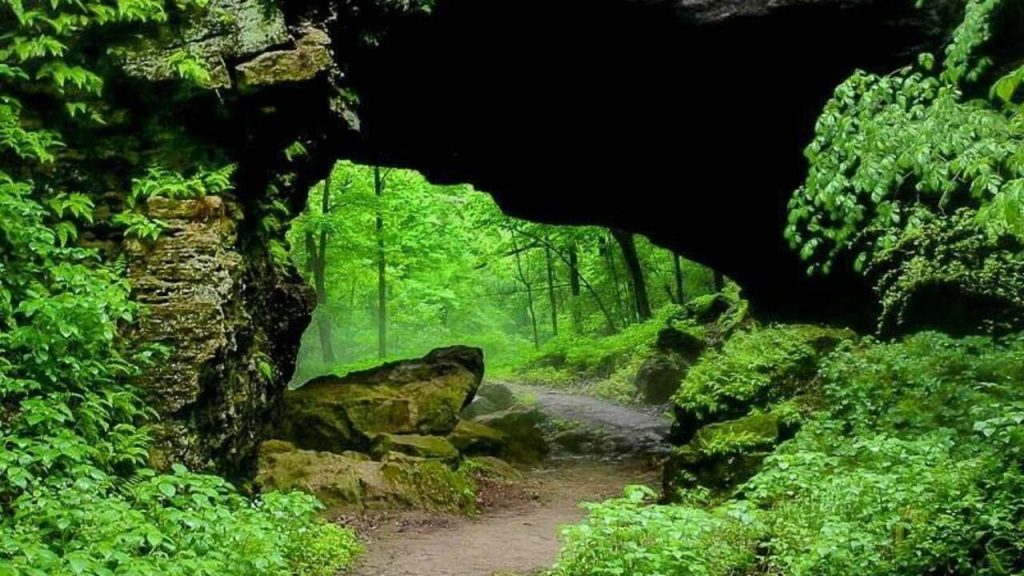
755,368
625,536
913,466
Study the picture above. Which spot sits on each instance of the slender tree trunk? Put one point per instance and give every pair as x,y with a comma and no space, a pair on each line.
677,263
609,257
317,255
552,297
583,280
574,286
627,242
529,291
382,290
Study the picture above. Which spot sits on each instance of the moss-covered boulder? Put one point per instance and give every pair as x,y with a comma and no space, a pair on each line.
344,482
422,396
490,398
473,439
521,427
415,445
724,454
754,369
310,56
659,376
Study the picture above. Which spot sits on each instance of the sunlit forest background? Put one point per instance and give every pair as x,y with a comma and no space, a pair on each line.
401,266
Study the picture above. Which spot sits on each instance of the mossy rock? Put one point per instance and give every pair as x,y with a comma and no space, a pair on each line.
422,396
659,376
479,407
754,369
724,454
499,395
494,469
342,482
473,438
521,426
415,445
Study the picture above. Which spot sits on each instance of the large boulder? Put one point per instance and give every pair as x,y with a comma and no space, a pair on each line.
473,438
415,445
724,454
423,396
521,427
659,376
489,398
345,481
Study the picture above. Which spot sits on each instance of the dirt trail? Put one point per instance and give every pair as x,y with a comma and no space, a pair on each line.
518,536
517,529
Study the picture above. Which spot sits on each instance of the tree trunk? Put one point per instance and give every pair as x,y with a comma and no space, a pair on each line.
627,242
382,294
574,286
677,262
317,255
552,298
609,258
529,291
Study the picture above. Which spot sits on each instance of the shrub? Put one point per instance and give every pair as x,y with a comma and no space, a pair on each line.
625,536
755,368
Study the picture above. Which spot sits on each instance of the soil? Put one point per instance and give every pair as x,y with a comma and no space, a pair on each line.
516,531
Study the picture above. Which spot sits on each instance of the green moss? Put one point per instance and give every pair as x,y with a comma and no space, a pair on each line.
415,445
755,368
474,438
431,485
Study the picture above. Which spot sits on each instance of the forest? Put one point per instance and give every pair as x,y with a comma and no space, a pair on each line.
238,337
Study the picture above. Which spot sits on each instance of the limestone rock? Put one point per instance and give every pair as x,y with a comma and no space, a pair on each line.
422,396
724,454
520,425
344,482
489,398
659,376
228,30
415,445
310,57
473,438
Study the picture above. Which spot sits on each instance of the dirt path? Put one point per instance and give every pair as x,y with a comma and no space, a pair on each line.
516,532
518,535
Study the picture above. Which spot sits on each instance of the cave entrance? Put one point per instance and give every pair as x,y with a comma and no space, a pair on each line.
400,266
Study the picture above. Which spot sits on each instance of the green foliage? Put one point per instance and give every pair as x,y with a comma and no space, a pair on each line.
458,270
948,272
159,181
755,368
75,494
912,467
627,536
893,153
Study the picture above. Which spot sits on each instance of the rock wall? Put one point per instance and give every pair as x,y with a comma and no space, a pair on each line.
665,97
221,375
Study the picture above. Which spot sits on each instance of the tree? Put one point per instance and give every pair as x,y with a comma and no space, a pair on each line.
627,243
382,287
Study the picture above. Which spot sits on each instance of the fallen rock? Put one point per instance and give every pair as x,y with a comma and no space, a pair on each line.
473,438
724,454
423,396
343,482
490,398
660,376
525,440
415,445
